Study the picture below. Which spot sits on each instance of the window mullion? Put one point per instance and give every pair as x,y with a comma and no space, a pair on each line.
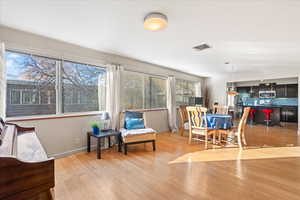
58,87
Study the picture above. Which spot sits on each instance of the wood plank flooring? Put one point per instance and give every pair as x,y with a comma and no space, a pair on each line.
144,174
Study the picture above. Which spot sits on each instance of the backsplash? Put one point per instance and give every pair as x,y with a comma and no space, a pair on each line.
247,101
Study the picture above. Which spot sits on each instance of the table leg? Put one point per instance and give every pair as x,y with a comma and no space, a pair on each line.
109,144
99,148
125,149
118,138
88,143
153,145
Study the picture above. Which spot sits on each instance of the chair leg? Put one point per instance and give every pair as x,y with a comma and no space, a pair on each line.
190,137
239,141
244,139
220,137
214,138
181,131
153,145
125,148
206,141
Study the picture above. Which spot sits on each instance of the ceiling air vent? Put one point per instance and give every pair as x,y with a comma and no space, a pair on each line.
201,47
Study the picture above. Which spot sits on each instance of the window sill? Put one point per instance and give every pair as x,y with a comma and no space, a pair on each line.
146,110
46,117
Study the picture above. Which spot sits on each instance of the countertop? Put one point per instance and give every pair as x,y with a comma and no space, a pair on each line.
270,106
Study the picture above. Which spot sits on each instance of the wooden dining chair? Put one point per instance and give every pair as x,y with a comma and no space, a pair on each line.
220,109
184,120
238,132
198,124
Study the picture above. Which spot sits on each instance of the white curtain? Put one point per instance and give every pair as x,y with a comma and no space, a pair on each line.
113,94
2,81
198,89
171,103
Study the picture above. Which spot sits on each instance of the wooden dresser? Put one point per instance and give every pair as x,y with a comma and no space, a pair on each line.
25,169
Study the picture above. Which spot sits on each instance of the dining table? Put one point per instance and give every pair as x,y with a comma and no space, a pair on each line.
221,122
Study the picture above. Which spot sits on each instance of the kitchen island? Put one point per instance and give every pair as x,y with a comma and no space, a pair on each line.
281,113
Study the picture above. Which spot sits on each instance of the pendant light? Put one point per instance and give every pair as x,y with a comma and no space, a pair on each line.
231,91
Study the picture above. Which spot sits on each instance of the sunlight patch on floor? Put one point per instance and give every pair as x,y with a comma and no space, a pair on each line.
224,154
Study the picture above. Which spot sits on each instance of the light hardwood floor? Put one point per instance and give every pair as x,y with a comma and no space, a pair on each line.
144,174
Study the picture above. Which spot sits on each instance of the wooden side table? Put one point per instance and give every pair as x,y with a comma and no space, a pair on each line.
103,134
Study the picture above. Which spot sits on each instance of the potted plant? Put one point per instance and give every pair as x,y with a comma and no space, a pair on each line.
95,127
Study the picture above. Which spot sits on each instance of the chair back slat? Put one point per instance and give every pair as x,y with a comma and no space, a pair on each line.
197,117
183,113
220,110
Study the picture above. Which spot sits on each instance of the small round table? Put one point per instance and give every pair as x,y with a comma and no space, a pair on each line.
103,134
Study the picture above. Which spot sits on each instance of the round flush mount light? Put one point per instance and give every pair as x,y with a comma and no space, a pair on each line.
155,21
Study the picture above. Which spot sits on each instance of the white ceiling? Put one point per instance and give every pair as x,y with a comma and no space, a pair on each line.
255,36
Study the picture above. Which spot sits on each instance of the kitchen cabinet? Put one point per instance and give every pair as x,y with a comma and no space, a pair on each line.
280,91
289,114
255,92
243,89
287,91
292,91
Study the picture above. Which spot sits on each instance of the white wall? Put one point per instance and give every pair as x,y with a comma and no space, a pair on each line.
68,135
217,90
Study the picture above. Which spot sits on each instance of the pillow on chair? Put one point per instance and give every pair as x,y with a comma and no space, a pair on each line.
132,115
135,123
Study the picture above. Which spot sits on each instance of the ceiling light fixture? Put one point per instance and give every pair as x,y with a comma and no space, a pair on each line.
231,90
155,21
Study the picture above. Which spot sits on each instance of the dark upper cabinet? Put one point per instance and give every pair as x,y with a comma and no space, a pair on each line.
264,87
254,92
243,89
287,91
280,91
292,91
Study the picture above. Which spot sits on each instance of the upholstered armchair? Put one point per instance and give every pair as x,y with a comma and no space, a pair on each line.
136,136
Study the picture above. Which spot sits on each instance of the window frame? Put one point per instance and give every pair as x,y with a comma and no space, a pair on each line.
20,97
145,75
78,96
58,90
183,95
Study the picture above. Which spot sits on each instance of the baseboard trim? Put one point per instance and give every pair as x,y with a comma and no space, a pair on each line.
79,150
72,152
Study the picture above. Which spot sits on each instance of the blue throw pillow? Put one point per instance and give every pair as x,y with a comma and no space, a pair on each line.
132,115
135,123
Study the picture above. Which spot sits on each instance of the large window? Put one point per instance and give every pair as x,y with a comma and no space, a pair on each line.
83,87
184,90
141,91
29,79
35,83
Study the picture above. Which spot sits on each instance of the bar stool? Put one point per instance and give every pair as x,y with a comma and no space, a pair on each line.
252,115
267,113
